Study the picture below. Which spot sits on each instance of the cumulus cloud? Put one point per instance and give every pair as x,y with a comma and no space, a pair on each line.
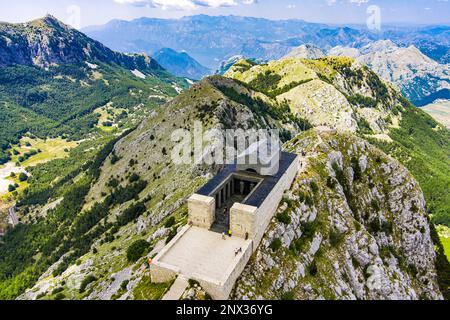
184,4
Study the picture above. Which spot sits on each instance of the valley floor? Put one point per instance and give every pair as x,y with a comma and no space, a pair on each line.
49,149
440,111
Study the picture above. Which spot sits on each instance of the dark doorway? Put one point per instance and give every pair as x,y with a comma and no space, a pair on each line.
234,190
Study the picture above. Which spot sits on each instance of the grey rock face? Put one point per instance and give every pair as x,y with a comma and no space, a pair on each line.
362,243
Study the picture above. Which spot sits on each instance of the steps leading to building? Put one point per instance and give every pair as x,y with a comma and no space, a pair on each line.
176,291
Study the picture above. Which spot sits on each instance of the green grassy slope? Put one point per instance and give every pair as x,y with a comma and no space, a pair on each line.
424,148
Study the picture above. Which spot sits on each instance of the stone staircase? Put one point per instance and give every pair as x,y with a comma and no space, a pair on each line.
176,291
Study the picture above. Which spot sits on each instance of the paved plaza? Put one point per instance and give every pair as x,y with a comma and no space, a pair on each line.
204,253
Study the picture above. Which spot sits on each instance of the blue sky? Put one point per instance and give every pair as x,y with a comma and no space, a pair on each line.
89,12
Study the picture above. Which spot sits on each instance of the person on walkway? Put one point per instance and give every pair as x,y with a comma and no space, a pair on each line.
223,236
230,233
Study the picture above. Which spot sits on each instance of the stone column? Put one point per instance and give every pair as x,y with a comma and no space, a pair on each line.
243,221
201,211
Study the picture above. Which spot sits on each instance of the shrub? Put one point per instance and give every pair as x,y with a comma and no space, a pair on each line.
113,183
170,222
60,296
134,177
314,186
172,235
331,183
336,237
11,188
114,158
137,250
309,201
298,245
124,284
23,177
275,245
387,227
374,226
41,295
313,269
309,229
125,194
131,213
375,205
87,281
356,169
288,296
284,218
57,290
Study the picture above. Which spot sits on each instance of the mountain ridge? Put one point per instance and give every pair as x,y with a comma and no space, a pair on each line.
138,196
246,35
55,78
180,64
47,41
417,76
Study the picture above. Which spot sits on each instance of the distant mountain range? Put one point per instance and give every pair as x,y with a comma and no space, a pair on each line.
421,79
212,39
181,64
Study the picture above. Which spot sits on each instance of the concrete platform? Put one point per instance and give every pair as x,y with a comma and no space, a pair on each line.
203,255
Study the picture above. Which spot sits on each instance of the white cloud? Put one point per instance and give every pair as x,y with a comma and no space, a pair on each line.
358,2
184,4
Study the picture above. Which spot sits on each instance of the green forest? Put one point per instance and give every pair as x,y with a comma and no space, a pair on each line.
60,101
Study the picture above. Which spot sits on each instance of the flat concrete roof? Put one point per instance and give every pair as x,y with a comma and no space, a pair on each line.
204,253
262,192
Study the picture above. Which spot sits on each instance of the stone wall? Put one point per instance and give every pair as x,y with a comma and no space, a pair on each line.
268,208
247,220
243,220
221,290
201,211
161,272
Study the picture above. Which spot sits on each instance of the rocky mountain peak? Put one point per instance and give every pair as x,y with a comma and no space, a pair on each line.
306,51
417,75
380,46
49,21
47,42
